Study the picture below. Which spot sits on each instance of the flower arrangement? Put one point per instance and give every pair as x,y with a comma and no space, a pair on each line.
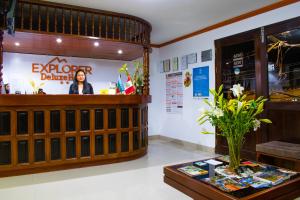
137,80
36,87
233,118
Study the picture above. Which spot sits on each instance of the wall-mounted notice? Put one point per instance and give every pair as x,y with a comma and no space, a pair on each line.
175,64
184,62
206,55
174,93
201,81
166,64
192,58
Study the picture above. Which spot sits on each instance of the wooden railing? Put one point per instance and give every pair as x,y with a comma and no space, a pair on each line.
46,17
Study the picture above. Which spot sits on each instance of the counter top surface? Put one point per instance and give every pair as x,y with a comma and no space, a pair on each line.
69,100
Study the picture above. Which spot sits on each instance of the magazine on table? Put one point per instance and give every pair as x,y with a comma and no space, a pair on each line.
225,184
274,177
192,170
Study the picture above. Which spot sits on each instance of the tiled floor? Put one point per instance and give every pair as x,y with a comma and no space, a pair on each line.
141,179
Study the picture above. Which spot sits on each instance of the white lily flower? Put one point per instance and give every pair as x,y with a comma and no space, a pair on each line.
256,124
218,112
237,90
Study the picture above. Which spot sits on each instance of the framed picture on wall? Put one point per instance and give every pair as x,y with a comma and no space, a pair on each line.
175,64
184,62
192,58
166,64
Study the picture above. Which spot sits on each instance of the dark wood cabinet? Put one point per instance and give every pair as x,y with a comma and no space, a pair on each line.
265,62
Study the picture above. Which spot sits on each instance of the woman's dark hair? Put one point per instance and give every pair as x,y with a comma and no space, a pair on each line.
75,77
87,87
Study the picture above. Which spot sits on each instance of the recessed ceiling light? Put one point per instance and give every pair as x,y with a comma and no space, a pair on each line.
17,44
120,51
96,44
58,40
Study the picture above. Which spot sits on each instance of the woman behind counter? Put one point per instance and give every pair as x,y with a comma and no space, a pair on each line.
80,84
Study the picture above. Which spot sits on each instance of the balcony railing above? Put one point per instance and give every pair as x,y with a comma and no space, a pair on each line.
46,17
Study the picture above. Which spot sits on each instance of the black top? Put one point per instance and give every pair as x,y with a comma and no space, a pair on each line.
87,89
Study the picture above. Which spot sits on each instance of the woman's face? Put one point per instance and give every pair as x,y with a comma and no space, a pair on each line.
80,76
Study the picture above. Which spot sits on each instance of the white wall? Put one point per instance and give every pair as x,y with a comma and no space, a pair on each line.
18,72
183,126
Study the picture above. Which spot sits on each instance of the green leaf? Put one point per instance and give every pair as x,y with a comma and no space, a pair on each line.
220,89
266,121
206,132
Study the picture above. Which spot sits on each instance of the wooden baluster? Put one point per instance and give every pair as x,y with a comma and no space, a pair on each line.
93,25
30,16
55,20
143,34
137,31
113,27
125,30
119,23
140,33
148,33
47,21
129,30
39,18
134,31
22,15
64,21
106,27
71,23
1,59
146,89
99,25
78,22
85,24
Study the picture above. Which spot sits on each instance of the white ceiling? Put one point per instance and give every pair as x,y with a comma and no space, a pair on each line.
174,18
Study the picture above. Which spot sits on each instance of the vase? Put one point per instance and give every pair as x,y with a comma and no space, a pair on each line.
234,147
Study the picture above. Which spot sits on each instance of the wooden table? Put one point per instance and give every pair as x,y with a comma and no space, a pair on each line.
200,190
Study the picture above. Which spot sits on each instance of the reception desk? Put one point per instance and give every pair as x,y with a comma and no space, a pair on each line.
50,132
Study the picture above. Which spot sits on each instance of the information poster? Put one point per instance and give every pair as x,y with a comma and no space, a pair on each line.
174,93
201,81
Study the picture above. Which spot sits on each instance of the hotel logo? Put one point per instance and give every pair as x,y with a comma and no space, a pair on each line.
58,70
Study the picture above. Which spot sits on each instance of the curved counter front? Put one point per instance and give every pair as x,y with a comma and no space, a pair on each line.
50,132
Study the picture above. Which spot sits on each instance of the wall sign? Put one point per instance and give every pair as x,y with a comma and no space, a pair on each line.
174,93
206,55
238,59
58,70
201,81
192,58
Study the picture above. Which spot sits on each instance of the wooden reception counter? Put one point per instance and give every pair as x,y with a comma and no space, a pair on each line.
49,132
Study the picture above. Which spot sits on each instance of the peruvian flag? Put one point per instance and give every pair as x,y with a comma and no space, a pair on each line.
129,88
